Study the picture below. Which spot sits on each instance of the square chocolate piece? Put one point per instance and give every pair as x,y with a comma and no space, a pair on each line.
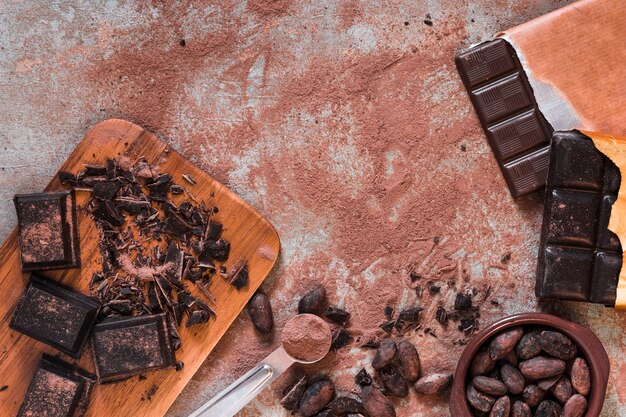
579,257
56,315
58,389
128,346
48,230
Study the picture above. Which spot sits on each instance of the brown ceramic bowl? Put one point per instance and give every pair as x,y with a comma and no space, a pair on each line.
588,345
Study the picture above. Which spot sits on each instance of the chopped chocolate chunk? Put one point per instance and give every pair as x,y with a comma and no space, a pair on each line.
291,399
239,277
313,301
218,250
177,189
106,190
66,177
388,326
127,346
55,315
48,230
441,316
340,338
388,310
160,187
197,317
463,301
92,170
409,315
107,211
176,225
337,315
214,231
4,388
191,180
58,389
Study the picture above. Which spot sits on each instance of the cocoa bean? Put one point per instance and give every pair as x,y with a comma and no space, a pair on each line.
541,367
562,390
346,405
384,354
260,311
316,397
490,386
313,301
482,364
394,381
375,403
546,384
520,409
512,378
533,395
504,343
557,344
528,346
410,364
433,383
501,408
575,406
478,400
291,400
548,408
580,376
325,413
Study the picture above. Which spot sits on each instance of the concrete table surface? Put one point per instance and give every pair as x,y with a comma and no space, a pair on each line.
343,122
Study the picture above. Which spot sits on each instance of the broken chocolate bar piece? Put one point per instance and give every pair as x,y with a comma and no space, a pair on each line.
127,346
56,315
48,230
503,99
58,389
579,257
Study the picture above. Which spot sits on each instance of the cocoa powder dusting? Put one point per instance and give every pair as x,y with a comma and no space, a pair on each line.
306,337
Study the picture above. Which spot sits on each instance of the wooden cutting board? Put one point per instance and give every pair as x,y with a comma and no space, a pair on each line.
252,238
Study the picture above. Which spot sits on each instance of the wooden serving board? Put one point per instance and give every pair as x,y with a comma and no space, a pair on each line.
252,238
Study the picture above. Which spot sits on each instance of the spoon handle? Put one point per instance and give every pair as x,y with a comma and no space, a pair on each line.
228,402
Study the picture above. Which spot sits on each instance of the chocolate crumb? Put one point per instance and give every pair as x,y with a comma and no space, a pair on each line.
463,302
4,388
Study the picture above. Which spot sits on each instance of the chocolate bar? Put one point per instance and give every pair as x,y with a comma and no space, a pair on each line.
56,315
579,257
503,99
57,389
128,346
48,230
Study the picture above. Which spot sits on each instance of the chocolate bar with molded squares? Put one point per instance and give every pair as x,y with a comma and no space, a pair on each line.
518,133
579,257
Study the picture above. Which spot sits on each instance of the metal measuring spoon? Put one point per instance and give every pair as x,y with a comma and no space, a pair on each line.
228,402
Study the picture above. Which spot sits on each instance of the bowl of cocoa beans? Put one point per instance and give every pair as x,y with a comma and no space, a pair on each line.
531,365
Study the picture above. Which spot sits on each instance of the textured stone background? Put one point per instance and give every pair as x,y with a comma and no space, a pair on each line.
341,121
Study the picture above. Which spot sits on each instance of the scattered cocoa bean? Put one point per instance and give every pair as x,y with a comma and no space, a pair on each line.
548,408
478,400
490,386
313,301
511,358
575,406
346,405
410,364
260,311
546,384
291,400
533,395
316,397
512,378
557,344
504,343
562,390
501,408
384,354
528,346
541,367
520,409
375,403
482,364
433,384
394,381
580,376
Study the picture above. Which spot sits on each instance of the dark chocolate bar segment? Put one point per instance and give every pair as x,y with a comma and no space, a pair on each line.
127,346
503,99
58,389
56,315
579,257
48,230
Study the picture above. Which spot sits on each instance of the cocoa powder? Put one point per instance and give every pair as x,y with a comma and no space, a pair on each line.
306,337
